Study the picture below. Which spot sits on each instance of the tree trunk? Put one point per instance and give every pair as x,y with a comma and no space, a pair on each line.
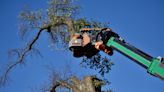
88,84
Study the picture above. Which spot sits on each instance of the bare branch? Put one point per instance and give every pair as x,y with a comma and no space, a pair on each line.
21,57
63,83
88,84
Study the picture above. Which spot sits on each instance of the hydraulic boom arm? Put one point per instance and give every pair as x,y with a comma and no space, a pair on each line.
154,66
86,44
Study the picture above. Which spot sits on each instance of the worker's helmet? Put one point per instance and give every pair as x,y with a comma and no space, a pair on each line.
75,45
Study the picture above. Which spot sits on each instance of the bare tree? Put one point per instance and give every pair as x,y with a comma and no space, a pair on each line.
59,21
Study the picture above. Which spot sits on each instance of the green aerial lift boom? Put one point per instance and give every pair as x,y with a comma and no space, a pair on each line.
90,41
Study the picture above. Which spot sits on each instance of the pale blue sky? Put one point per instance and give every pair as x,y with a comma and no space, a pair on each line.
139,22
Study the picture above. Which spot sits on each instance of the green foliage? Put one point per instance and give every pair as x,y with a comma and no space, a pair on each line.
97,62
